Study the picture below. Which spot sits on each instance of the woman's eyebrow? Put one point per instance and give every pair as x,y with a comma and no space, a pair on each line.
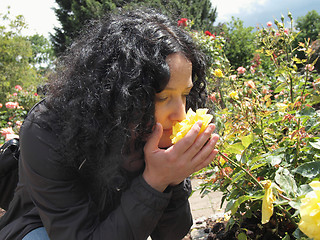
172,89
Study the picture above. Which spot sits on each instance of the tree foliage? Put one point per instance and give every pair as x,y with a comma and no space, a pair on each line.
74,14
23,60
309,26
240,46
15,52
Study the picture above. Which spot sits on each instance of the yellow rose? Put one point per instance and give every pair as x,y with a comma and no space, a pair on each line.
310,212
234,95
267,202
218,73
180,129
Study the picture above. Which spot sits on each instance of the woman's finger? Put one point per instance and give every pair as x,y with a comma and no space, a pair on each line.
206,150
206,161
188,140
153,140
201,141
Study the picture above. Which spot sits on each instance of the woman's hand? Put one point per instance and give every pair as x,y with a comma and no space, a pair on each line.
170,166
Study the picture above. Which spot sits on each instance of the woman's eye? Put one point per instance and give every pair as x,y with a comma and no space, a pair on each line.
186,94
161,98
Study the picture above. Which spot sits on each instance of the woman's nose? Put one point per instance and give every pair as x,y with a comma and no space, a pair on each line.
178,112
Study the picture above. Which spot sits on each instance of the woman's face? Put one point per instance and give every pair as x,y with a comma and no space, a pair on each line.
170,104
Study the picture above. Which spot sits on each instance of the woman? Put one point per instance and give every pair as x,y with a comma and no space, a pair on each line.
96,156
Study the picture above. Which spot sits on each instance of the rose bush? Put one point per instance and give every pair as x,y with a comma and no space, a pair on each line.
268,121
14,109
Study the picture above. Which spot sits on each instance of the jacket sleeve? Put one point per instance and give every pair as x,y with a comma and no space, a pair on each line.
67,211
176,220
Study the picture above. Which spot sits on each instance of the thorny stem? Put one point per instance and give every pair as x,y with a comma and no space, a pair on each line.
291,89
261,137
305,83
297,146
252,178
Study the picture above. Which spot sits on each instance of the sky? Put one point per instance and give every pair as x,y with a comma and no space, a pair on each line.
41,18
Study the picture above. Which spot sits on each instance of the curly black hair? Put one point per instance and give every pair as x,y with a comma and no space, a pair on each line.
103,95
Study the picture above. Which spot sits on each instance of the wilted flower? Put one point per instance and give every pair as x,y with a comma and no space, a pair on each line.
310,212
180,129
218,73
241,70
12,105
267,202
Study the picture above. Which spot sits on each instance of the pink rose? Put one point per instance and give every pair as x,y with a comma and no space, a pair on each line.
309,67
269,24
241,70
6,131
18,123
18,87
11,136
15,94
12,105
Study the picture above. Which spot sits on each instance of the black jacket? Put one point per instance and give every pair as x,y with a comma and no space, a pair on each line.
50,195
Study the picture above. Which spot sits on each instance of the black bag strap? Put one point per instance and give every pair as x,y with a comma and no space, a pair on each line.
13,145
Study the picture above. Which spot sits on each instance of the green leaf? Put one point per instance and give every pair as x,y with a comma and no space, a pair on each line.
275,159
309,169
257,166
280,87
286,181
238,202
247,140
315,144
309,111
242,236
236,148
